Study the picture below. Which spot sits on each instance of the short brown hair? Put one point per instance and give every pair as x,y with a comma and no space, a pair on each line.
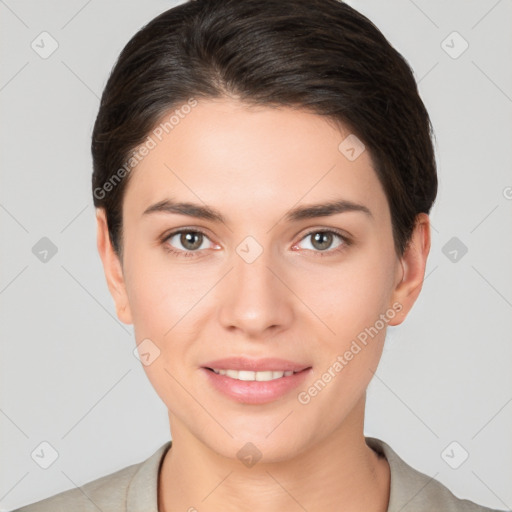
319,55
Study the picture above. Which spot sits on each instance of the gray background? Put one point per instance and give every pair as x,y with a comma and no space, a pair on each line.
68,374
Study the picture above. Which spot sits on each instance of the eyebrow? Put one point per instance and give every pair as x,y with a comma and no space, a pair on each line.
296,214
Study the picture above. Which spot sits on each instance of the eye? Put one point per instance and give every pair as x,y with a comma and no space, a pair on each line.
193,240
190,240
322,240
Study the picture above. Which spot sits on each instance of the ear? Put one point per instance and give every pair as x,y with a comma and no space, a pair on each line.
113,268
412,271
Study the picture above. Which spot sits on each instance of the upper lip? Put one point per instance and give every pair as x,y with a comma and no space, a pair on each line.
255,365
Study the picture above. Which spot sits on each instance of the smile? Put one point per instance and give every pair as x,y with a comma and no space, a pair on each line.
255,387
247,375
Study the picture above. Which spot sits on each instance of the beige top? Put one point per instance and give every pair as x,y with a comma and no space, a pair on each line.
135,489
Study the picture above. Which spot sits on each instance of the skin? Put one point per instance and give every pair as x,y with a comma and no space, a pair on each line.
295,301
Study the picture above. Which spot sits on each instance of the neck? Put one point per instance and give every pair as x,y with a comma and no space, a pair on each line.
341,472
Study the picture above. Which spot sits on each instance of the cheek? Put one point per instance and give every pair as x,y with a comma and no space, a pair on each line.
159,293
355,307
168,303
355,304
162,302
353,295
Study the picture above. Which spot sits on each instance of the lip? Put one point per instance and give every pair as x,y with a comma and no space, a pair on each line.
255,392
255,365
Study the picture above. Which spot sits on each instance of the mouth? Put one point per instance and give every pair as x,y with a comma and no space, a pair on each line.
241,363
252,381
248,375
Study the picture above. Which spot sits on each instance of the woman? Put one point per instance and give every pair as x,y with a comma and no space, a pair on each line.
263,175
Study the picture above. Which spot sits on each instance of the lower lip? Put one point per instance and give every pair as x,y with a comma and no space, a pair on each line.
255,392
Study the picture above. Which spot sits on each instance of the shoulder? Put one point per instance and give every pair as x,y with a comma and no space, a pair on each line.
115,492
412,490
106,493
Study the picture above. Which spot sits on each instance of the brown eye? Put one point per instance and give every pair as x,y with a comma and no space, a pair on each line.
191,240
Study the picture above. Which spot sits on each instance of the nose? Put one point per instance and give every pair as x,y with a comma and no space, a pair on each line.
254,298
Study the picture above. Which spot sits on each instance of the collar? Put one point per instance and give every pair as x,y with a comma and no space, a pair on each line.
408,487
142,492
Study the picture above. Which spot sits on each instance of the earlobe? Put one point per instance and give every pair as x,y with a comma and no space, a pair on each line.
112,268
413,263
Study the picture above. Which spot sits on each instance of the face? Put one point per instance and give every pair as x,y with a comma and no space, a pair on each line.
316,289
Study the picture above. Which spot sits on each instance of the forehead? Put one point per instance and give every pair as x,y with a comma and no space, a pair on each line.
227,153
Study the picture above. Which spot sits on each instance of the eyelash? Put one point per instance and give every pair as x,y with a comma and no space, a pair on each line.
187,254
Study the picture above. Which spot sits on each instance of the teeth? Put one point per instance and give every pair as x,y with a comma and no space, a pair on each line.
258,376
